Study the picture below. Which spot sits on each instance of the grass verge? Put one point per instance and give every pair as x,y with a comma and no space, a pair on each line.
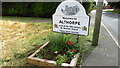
118,12
22,38
24,18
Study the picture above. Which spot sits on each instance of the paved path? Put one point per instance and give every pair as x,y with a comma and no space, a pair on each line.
106,53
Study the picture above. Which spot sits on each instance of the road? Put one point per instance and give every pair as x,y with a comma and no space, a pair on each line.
110,20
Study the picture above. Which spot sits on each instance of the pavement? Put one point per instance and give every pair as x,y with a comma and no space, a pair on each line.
105,55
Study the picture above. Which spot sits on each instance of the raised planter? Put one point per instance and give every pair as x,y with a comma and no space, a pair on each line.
44,62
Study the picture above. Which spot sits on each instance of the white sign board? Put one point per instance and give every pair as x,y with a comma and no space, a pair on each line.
70,17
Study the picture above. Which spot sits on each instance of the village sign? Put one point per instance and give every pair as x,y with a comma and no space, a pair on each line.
70,17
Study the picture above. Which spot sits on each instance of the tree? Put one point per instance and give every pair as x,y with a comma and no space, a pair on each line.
114,5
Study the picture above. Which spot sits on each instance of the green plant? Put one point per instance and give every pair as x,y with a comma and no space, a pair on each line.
61,59
38,56
12,11
88,6
20,55
62,44
37,12
6,60
70,54
64,47
58,41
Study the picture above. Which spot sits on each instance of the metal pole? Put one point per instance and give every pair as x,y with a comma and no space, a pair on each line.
97,23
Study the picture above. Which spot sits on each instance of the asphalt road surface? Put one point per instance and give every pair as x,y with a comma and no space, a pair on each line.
112,22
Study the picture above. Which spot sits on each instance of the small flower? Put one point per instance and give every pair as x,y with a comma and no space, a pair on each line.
39,46
56,52
69,43
74,50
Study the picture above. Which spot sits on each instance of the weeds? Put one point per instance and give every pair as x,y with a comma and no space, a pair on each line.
58,41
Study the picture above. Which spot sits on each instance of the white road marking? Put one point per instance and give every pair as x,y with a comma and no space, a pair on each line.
110,34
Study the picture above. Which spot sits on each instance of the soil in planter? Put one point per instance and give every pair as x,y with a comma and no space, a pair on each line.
46,54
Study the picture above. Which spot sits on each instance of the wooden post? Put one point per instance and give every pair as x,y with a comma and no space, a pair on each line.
97,23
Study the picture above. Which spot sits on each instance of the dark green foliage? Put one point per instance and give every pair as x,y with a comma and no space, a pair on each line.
14,9
88,6
49,9
18,9
44,9
115,5
5,7
37,10
34,9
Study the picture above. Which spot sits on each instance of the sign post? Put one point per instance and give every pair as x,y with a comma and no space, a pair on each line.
70,17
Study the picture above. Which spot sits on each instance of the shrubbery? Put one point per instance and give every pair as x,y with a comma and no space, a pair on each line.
88,6
34,9
114,5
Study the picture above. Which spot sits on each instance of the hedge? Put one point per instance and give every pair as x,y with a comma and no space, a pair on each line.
34,9
114,5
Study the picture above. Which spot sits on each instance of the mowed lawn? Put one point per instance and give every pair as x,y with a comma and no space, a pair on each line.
20,39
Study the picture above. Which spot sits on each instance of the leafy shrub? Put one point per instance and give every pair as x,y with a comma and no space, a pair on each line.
114,5
61,48
61,59
49,9
88,6
35,9
58,41
18,9
62,44
11,11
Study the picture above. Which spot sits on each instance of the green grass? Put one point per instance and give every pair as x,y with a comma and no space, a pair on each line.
84,42
21,49
118,12
25,18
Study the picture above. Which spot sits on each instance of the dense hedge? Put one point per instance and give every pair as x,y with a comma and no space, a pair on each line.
88,6
114,5
34,9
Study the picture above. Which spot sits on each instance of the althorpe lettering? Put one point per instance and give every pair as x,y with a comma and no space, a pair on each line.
69,22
